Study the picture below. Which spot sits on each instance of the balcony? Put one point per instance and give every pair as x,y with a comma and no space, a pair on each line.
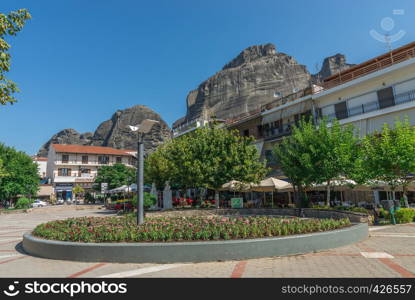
274,133
372,106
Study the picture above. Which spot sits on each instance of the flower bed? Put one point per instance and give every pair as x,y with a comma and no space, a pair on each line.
124,229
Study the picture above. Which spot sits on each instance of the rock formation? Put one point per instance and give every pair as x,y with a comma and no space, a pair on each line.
255,77
331,65
115,132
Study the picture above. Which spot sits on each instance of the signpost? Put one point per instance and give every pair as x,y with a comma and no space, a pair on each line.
237,202
104,189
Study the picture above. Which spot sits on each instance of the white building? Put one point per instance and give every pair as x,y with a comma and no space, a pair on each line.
71,165
42,164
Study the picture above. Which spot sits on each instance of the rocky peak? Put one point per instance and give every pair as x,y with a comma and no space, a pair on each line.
257,76
250,54
115,132
331,65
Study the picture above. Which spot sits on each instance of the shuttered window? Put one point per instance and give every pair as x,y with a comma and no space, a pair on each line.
386,97
341,110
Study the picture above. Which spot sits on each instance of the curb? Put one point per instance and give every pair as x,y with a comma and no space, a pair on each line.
194,251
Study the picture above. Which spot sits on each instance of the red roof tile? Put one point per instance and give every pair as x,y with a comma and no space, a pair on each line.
90,149
38,158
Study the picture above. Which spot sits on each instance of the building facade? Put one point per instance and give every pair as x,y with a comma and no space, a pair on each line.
367,95
71,165
41,164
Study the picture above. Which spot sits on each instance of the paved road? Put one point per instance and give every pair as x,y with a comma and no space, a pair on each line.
388,252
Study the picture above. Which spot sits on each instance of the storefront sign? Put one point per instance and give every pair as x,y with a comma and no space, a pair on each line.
237,203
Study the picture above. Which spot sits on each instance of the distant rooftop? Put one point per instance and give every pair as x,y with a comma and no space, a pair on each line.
372,65
91,149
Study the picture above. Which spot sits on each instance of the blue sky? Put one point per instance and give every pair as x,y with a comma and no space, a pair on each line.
77,62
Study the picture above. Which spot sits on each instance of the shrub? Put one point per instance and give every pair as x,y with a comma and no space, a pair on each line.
383,213
149,200
23,202
405,215
164,229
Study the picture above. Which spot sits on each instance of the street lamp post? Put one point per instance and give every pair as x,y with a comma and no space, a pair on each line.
142,129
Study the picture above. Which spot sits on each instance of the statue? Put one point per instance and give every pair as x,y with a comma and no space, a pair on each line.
167,197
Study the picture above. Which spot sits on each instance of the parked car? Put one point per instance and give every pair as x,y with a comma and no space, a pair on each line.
39,203
60,201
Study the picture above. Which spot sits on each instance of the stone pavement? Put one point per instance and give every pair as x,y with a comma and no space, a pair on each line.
388,252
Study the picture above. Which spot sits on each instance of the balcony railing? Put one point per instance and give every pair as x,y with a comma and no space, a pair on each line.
381,63
374,105
276,132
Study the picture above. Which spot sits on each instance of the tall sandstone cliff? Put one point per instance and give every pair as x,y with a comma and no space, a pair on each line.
258,75
115,132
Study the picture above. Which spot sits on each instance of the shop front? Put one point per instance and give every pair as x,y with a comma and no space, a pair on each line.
63,191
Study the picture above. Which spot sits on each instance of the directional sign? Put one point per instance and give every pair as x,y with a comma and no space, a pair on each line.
104,187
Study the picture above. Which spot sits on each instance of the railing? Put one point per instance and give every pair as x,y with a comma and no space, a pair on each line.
243,116
373,67
270,105
277,132
189,125
374,105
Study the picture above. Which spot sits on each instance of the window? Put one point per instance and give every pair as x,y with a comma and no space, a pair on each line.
84,172
246,132
386,97
260,131
64,172
65,158
85,159
103,160
118,159
341,110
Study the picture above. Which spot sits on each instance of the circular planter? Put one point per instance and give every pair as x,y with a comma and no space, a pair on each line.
194,251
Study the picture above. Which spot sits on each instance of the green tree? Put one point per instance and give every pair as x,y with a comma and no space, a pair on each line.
78,190
318,154
10,25
211,157
389,155
3,172
116,175
22,174
158,168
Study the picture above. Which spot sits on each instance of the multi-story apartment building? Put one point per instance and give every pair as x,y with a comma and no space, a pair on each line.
71,165
367,95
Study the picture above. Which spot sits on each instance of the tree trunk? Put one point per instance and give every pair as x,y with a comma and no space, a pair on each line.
216,199
300,196
295,188
405,197
328,194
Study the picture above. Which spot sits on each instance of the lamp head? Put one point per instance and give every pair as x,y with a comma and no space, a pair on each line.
144,127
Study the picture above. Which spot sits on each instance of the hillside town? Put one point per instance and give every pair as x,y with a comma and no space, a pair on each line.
145,140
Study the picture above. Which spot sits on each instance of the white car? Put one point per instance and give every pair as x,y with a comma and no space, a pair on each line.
39,203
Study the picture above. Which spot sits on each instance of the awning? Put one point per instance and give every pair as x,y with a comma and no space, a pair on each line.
271,184
63,179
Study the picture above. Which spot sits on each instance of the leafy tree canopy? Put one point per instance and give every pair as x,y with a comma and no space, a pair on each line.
207,157
389,155
10,25
116,175
20,174
318,154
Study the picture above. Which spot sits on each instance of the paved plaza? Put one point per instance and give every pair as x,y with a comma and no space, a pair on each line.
388,252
